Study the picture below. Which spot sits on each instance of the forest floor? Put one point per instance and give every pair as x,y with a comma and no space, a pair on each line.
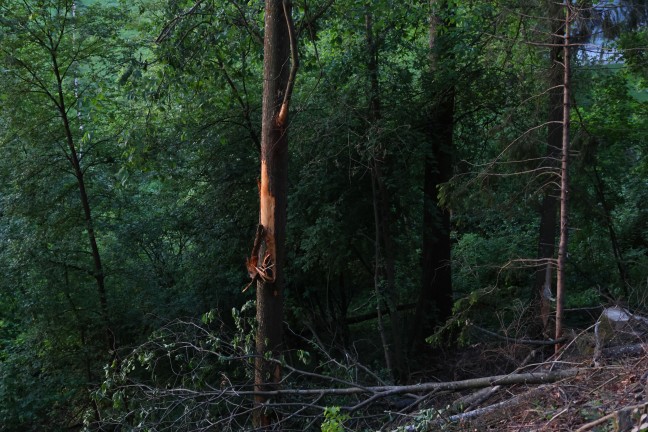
615,391
612,396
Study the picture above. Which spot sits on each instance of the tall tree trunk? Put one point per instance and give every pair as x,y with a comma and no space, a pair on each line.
79,173
384,273
435,298
268,255
549,206
564,185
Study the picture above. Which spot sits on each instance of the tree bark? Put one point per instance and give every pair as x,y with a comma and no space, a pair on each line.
549,206
564,185
269,260
435,298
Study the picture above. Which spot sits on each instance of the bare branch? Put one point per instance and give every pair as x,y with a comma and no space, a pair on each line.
525,378
519,341
166,31
294,60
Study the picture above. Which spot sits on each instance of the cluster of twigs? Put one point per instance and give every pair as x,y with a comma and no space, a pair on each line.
199,376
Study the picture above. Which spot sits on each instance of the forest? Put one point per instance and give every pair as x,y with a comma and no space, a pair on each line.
310,214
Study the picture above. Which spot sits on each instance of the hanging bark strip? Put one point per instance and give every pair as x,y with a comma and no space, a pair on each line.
564,187
266,263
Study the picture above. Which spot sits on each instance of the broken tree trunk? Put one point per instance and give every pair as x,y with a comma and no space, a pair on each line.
266,263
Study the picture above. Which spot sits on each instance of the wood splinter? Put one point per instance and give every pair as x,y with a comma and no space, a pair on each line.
265,270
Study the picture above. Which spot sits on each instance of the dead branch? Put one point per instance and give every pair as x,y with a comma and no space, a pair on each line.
467,402
507,404
520,341
294,66
525,378
628,350
470,415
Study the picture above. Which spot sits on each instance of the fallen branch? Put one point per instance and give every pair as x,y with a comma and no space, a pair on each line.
470,401
507,404
520,341
628,350
470,415
525,378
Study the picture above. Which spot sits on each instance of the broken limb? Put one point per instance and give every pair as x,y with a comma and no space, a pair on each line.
294,60
265,270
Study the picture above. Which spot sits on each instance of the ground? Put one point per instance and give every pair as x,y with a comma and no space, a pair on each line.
616,388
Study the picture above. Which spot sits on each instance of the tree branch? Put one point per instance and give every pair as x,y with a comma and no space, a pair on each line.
525,378
294,60
520,341
166,31
311,19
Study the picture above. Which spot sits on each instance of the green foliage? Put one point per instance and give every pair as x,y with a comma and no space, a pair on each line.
164,107
333,420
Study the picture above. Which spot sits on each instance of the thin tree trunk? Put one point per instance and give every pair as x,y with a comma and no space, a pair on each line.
435,298
549,206
384,272
378,290
268,258
73,157
564,186
81,327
